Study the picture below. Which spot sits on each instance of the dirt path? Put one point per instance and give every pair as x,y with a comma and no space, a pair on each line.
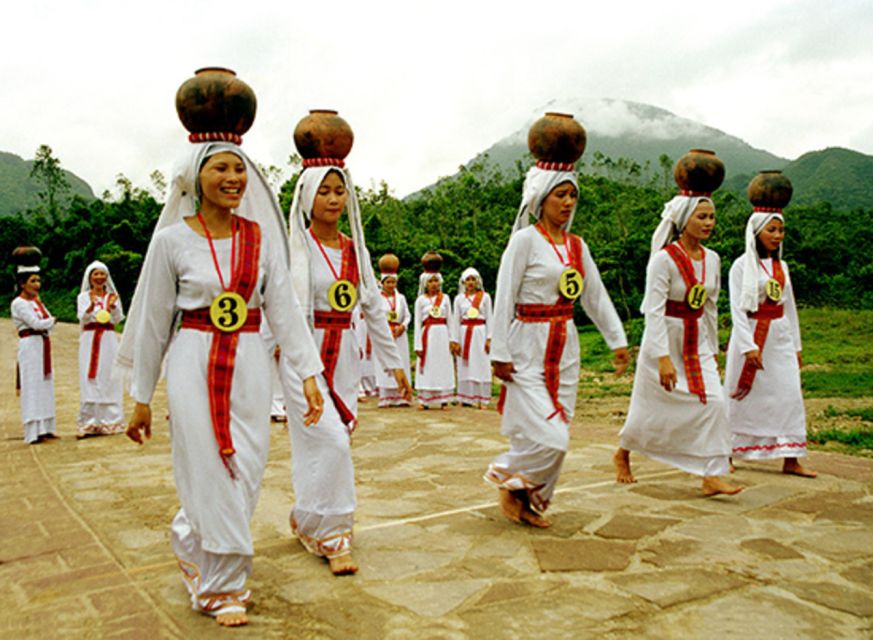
86,549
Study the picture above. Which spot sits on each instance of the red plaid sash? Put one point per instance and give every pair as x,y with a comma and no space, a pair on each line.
429,321
334,323
222,354
98,330
470,323
680,309
767,311
557,316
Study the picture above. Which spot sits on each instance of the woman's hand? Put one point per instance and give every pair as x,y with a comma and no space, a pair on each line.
403,384
455,348
754,358
503,370
140,424
397,330
620,360
667,373
314,402
419,354
488,345
799,360
110,301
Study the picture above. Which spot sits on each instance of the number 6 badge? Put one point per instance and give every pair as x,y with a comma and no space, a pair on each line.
342,295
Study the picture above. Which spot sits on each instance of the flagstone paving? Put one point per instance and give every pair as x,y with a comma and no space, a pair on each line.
86,550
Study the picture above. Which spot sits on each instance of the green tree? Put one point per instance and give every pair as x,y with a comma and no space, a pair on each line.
46,170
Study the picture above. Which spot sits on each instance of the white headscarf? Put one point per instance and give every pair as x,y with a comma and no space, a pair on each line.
674,217
86,279
469,271
301,212
756,223
424,277
387,274
538,183
258,203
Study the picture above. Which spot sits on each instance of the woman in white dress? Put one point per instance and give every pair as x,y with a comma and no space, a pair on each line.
472,316
434,331
677,413
396,310
331,273
544,271
218,260
100,394
765,408
34,378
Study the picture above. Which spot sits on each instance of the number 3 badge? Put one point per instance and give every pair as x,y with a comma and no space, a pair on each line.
228,311
342,295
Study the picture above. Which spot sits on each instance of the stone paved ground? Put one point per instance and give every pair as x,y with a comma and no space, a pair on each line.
85,548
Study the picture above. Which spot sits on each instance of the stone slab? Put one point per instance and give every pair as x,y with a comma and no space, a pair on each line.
582,555
674,586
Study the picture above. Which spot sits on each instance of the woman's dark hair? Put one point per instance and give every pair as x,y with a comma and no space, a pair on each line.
761,249
22,278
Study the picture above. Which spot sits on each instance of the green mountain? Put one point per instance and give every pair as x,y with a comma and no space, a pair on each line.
18,192
638,132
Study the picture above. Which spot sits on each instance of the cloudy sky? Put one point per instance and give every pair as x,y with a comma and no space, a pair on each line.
425,85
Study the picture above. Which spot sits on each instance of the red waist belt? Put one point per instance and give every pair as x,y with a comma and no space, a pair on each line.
334,323
427,324
98,330
556,315
766,312
468,334
199,319
46,348
690,356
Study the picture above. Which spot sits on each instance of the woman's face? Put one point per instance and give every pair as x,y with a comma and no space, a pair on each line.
771,235
32,285
470,284
433,285
701,222
223,180
389,284
98,278
330,199
560,204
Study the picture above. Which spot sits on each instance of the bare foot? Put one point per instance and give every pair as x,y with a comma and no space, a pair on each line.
342,565
621,460
534,519
421,407
792,467
233,614
713,485
445,407
731,464
510,506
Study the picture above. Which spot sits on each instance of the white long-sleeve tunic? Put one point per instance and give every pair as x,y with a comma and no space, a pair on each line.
105,388
183,277
37,391
663,423
397,303
438,373
478,367
529,274
774,406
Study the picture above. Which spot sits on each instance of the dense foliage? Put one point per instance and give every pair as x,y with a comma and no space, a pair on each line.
467,218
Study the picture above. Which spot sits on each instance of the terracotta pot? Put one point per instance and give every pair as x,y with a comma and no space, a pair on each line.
770,189
700,171
323,134
556,137
216,101
432,262
26,256
389,263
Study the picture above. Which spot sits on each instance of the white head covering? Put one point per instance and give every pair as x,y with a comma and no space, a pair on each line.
387,274
674,217
424,277
301,212
756,223
538,183
22,269
86,279
258,204
469,271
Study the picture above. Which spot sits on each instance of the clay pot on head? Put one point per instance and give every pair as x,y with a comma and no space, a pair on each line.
216,101
389,263
26,256
323,134
556,137
432,262
770,189
699,171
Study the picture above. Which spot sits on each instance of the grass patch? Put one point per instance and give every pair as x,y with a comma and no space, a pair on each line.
865,413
